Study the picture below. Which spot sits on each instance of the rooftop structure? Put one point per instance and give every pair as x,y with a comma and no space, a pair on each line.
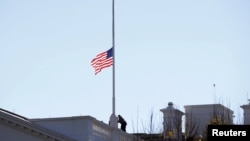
172,122
78,128
197,117
246,113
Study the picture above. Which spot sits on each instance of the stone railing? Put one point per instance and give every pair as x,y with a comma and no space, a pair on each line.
85,128
101,131
104,132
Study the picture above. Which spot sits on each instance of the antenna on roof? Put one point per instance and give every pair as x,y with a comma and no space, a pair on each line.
214,93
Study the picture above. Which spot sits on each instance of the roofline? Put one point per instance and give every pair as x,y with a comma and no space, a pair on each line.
25,123
13,114
204,105
62,118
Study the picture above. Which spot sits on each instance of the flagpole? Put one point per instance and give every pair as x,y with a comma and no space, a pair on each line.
113,44
113,118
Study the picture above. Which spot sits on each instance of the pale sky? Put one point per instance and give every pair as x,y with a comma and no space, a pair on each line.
166,50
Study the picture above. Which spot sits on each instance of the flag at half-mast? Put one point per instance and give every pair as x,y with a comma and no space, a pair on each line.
103,60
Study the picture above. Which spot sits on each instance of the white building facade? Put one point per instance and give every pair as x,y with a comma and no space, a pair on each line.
14,127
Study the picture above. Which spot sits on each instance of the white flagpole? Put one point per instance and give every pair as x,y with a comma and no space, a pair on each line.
113,37
113,118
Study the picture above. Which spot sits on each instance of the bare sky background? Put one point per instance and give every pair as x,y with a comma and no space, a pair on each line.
166,50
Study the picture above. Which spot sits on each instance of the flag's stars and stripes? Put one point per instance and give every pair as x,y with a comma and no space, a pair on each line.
103,60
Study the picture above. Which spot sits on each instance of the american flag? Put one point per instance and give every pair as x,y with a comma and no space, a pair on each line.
103,60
